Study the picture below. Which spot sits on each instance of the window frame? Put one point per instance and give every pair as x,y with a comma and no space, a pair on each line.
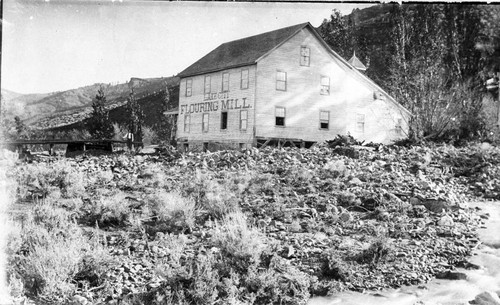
362,122
308,56
243,120
276,116
321,121
189,92
209,84
281,81
322,77
205,124
187,123
244,82
399,126
223,123
226,82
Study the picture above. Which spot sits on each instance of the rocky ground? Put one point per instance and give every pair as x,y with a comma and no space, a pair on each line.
258,226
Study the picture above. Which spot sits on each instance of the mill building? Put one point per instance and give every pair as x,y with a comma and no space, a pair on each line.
285,87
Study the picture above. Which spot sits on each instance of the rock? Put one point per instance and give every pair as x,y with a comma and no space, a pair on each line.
79,300
289,252
451,275
486,298
345,217
436,205
446,221
355,181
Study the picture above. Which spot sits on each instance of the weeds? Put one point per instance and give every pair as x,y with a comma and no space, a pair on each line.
173,210
50,252
240,243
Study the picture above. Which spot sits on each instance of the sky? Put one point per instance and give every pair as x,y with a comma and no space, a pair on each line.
56,45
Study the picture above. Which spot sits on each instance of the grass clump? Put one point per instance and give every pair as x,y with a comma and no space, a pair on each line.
239,242
174,211
111,210
51,254
37,180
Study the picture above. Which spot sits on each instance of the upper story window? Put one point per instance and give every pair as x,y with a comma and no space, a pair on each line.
244,79
187,122
225,81
324,119
360,123
280,116
207,84
325,85
304,56
189,87
281,80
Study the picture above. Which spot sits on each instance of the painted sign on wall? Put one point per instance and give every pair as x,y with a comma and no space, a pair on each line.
210,106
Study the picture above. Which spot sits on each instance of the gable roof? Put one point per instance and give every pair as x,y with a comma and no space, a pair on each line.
356,63
241,52
250,50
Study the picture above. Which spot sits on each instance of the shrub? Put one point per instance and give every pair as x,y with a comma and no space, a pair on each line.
214,198
281,283
376,252
40,180
51,253
110,210
240,243
174,210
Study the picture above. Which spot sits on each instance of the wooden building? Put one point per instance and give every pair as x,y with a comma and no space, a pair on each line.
287,85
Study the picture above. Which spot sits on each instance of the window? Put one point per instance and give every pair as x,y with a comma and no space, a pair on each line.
324,119
280,116
304,56
281,80
187,122
205,122
225,82
244,79
325,85
360,123
223,120
399,128
243,119
207,84
189,87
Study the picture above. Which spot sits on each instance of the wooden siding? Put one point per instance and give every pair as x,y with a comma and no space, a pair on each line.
349,96
235,98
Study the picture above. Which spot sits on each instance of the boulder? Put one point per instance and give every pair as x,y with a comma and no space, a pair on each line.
446,221
436,205
486,298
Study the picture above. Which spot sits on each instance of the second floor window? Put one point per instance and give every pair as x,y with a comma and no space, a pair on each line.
304,56
189,87
281,80
280,116
325,85
244,79
225,82
207,84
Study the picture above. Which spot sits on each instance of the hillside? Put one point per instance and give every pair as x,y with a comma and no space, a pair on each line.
149,93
